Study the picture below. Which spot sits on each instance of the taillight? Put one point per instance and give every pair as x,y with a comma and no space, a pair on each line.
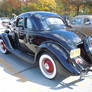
78,60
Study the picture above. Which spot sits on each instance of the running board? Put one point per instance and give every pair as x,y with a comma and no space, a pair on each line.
23,56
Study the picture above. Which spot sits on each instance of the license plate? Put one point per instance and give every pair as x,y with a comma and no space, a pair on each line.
74,53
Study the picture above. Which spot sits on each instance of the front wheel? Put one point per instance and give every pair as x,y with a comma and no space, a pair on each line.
2,47
50,67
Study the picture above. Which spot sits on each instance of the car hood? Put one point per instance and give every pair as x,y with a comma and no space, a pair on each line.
69,37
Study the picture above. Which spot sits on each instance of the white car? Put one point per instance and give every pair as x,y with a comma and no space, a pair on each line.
2,27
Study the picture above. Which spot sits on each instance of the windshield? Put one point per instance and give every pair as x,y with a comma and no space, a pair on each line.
77,21
52,23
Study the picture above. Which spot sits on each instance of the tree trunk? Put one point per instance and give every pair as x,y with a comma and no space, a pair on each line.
78,7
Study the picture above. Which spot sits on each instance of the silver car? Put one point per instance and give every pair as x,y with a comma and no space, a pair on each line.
82,23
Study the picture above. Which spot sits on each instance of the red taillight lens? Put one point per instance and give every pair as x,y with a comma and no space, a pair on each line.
78,60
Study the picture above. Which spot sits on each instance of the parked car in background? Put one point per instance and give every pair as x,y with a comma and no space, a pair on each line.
82,23
2,27
4,23
41,38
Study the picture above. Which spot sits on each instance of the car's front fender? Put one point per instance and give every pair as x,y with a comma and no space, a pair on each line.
4,37
59,53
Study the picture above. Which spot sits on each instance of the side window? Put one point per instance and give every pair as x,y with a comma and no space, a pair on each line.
87,21
20,22
28,23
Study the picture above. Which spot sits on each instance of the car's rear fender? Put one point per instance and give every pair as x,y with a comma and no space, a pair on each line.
88,47
59,53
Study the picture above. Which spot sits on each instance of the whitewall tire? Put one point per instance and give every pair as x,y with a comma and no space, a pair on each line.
51,67
47,66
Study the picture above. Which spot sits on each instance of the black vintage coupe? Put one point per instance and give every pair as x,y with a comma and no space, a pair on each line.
41,38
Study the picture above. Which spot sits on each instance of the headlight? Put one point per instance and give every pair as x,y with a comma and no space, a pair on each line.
74,53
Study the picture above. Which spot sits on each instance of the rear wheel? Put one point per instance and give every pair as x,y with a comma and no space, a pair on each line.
2,47
50,67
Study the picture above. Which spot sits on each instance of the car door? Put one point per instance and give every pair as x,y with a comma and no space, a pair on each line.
87,26
21,32
20,28
30,39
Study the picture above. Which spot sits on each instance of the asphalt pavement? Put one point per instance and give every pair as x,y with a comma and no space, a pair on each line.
19,76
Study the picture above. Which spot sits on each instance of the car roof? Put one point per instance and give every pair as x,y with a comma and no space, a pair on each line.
42,13
84,16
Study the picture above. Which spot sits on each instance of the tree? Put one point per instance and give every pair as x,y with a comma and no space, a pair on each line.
77,4
47,5
39,5
69,7
8,7
74,7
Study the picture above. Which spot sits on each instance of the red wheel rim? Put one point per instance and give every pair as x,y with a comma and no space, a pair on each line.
47,64
3,46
